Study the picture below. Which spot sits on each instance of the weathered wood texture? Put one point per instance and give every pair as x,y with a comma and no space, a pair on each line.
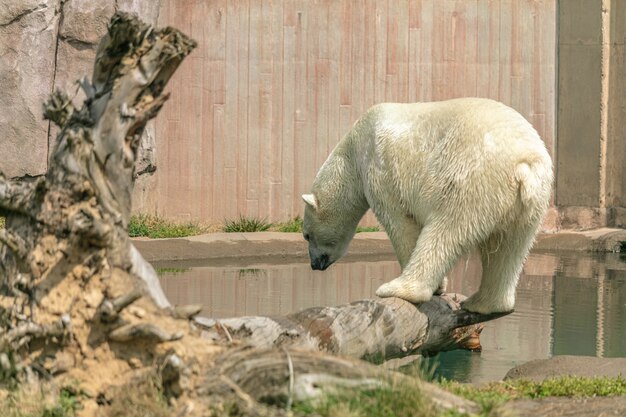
274,85
373,330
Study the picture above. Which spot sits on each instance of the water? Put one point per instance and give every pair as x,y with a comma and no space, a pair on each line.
567,304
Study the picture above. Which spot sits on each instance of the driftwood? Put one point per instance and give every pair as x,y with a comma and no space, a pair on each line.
373,330
79,303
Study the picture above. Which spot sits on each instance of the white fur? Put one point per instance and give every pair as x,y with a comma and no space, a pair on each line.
442,178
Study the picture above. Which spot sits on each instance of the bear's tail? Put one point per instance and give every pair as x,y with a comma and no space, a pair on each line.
535,186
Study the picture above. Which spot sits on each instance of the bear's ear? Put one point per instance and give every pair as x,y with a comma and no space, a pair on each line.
310,200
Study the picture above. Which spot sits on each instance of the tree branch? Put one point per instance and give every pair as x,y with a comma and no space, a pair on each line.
19,196
15,243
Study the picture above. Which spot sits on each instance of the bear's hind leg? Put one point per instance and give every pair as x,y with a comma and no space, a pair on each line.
502,257
435,252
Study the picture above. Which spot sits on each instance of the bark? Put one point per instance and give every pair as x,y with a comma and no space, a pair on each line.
79,303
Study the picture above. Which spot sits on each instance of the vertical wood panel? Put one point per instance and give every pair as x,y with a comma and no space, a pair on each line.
274,85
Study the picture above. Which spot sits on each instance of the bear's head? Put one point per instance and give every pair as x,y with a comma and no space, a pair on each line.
327,232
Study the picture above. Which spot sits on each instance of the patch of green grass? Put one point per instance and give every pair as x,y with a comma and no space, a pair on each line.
161,271
291,226
361,229
491,395
2,221
397,400
295,226
66,406
246,224
152,226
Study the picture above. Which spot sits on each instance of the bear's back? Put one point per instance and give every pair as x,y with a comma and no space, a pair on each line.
463,128
430,152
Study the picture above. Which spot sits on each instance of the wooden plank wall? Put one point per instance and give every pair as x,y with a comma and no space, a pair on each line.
274,84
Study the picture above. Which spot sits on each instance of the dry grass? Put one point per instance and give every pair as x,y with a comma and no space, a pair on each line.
144,399
38,401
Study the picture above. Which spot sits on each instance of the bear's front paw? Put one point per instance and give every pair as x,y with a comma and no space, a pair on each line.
404,289
480,305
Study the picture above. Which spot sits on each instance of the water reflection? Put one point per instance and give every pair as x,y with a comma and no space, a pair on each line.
566,304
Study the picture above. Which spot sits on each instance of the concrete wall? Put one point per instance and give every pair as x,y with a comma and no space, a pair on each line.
275,84
591,145
616,146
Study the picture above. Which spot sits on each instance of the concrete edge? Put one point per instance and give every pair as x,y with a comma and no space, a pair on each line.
599,240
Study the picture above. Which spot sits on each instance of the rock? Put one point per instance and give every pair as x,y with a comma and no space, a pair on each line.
93,298
586,366
28,30
148,10
85,21
35,61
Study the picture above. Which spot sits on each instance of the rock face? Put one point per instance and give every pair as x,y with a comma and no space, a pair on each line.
47,45
28,33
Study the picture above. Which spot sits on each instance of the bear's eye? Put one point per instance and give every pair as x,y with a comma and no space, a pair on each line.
306,237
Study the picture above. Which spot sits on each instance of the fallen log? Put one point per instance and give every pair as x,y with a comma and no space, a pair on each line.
372,330
80,305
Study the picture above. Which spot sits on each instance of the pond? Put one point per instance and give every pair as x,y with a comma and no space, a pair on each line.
567,303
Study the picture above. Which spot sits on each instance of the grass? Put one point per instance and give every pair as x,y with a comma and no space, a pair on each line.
1,222
162,271
295,226
392,400
246,224
406,400
32,402
142,397
155,227
152,226
362,229
291,226
397,400
496,393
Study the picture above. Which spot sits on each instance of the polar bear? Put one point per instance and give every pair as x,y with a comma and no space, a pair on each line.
442,178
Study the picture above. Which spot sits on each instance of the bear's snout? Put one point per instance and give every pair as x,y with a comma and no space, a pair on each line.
321,262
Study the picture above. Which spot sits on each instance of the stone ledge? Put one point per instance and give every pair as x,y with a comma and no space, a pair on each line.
372,245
